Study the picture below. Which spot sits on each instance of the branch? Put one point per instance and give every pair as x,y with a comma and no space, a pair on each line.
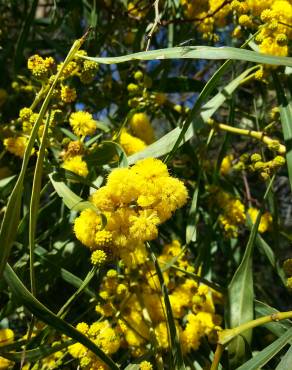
155,24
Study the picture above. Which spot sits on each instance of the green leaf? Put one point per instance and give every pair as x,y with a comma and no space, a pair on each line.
63,311
165,144
286,119
35,354
23,35
35,201
268,251
177,356
65,274
191,229
197,52
70,199
241,295
260,359
48,317
7,180
286,361
106,152
132,367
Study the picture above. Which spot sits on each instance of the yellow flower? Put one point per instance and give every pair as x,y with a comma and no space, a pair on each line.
130,143
85,227
143,226
145,365
161,333
98,257
103,238
265,222
77,165
68,94
39,66
82,327
6,337
16,145
142,128
108,340
82,123
226,164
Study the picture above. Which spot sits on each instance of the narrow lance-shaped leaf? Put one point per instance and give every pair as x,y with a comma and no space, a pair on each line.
286,120
261,358
286,361
197,52
241,294
71,200
37,353
177,357
35,200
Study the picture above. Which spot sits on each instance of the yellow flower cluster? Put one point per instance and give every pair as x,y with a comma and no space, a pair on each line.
275,15
104,336
40,67
142,311
68,94
231,209
135,201
233,213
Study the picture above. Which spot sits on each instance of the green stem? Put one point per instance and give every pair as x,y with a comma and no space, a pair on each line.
228,334
217,357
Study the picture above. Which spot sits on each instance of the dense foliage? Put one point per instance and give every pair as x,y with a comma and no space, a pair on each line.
145,184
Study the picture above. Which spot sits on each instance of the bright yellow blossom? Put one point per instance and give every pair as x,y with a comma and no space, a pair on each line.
82,123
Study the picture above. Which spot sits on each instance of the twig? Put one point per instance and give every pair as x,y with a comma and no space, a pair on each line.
217,356
155,24
247,189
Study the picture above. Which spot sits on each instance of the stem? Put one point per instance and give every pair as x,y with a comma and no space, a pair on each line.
259,135
217,357
227,335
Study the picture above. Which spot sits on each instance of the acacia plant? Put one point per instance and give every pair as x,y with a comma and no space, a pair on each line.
145,184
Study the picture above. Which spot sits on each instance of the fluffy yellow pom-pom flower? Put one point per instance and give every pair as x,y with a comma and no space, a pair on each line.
145,365
130,143
82,123
86,226
77,165
142,128
98,257
16,145
265,222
